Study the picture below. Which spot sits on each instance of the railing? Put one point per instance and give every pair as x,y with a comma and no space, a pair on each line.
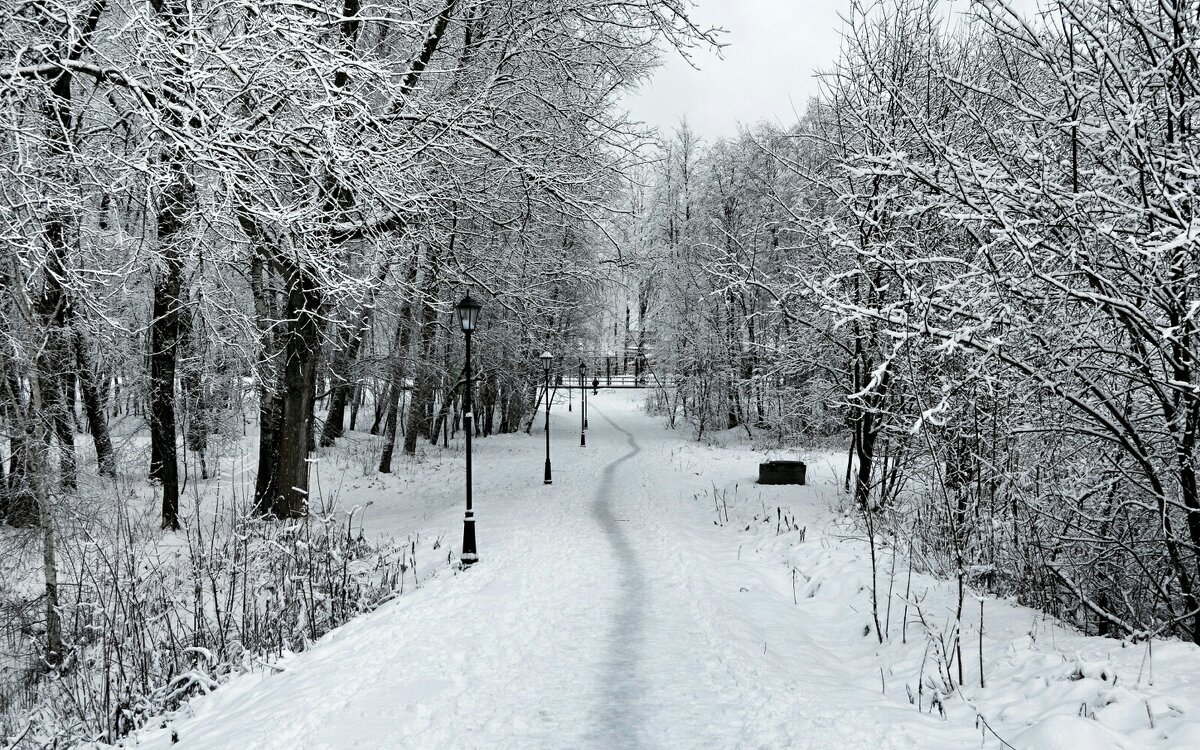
643,380
624,370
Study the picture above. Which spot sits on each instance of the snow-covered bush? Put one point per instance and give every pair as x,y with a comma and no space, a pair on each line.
149,620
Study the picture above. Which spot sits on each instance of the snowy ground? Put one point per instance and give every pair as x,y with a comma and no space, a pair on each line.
618,608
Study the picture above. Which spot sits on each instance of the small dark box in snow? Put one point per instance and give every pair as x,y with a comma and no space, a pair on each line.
781,472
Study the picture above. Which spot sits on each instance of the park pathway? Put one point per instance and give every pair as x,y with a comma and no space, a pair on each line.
608,611
621,710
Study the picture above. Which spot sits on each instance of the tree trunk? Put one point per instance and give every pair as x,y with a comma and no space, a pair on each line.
265,485
507,396
54,357
197,427
441,424
381,409
56,374
421,402
298,388
38,468
420,406
115,394
18,502
389,435
164,340
342,386
488,397
356,400
269,419
395,389
61,230
312,411
30,420
93,407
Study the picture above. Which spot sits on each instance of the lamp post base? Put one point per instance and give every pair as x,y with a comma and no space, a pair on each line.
548,480
583,440
469,556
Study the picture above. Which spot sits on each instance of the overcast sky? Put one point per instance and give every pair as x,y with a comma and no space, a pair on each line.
773,48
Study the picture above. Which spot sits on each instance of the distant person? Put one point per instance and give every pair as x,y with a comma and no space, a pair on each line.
595,386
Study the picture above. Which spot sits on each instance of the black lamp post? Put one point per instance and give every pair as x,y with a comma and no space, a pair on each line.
583,383
468,316
547,358
582,407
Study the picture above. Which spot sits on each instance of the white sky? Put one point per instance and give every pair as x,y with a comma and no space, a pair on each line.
774,47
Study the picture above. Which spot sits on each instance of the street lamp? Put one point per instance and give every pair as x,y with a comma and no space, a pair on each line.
547,358
468,316
582,407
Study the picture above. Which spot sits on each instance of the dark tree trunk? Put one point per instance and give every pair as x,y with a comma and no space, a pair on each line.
421,402
506,421
356,399
175,200
395,389
868,426
93,407
733,349
381,409
342,385
298,388
164,335
866,461
54,359
166,329
265,485
340,390
488,397
312,413
389,436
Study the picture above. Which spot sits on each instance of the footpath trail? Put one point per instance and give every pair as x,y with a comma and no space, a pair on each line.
608,611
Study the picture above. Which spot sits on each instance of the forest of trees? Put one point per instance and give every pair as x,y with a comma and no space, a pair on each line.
217,215
972,266
976,256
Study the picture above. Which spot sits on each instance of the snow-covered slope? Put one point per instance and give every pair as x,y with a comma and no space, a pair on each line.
619,608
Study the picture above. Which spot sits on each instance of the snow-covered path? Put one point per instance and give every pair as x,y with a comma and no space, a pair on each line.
608,611
620,706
